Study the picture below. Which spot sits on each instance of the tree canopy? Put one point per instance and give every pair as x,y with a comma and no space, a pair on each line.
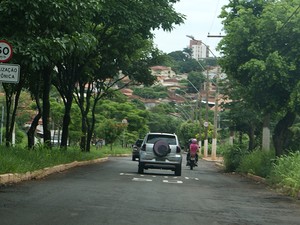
75,44
261,58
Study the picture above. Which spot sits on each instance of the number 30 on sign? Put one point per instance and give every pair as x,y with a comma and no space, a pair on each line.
5,51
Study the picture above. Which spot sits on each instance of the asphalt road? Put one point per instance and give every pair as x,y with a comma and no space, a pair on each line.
112,193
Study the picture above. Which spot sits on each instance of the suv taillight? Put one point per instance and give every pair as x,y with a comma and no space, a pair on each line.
143,148
178,149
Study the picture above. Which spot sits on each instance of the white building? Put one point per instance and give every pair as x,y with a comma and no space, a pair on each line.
199,49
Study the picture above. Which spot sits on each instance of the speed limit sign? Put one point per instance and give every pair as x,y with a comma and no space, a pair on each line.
6,51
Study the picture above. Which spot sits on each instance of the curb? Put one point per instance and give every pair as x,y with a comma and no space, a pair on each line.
256,178
38,174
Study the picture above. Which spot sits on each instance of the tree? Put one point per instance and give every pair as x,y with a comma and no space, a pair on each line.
122,50
160,119
115,109
188,130
55,36
111,130
183,62
35,39
257,60
195,81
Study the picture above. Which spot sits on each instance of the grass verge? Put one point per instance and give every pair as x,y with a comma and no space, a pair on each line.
20,160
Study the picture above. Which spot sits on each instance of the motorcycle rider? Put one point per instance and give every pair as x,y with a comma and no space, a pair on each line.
193,149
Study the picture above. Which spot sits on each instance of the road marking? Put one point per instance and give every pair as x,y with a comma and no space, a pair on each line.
173,181
126,174
141,179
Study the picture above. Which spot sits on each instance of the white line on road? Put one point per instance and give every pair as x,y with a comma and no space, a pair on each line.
173,181
141,179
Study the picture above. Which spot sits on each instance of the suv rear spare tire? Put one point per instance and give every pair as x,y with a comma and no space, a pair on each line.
161,148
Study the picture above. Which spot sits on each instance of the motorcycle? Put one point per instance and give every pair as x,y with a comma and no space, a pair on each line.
192,161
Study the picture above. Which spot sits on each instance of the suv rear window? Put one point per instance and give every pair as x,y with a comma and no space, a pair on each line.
152,138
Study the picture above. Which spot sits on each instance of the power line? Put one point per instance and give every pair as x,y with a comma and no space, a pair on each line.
288,20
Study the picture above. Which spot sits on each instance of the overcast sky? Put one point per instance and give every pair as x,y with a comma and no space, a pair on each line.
201,19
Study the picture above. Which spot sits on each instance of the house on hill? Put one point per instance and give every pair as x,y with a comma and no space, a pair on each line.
162,72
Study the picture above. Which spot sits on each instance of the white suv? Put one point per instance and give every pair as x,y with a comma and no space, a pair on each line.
160,151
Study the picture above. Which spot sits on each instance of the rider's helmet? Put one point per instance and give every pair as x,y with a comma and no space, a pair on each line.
194,141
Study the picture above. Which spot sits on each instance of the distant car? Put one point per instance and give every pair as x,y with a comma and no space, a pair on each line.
160,151
136,149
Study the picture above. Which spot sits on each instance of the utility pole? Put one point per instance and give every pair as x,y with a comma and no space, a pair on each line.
200,116
206,117
215,133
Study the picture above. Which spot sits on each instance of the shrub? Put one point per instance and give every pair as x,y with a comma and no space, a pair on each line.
257,162
286,174
232,157
221,148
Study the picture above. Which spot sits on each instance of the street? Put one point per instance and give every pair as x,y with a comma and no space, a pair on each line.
113,193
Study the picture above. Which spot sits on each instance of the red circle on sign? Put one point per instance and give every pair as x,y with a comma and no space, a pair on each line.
6,51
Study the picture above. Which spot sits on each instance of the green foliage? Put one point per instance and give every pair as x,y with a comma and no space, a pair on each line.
232,157
286,174
187,130
261,59
221,148
20,160
136,118
74,132
59,33
257,162
183,63
295,139
150,92
139,104
196,79
163,108
158,122
110,130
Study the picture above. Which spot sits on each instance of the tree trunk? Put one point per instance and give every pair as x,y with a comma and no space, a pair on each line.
66,123
91,127
251,137
83,138
240,137
281,131
11,111
31,131
8,101
46,106
266,133
83,106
